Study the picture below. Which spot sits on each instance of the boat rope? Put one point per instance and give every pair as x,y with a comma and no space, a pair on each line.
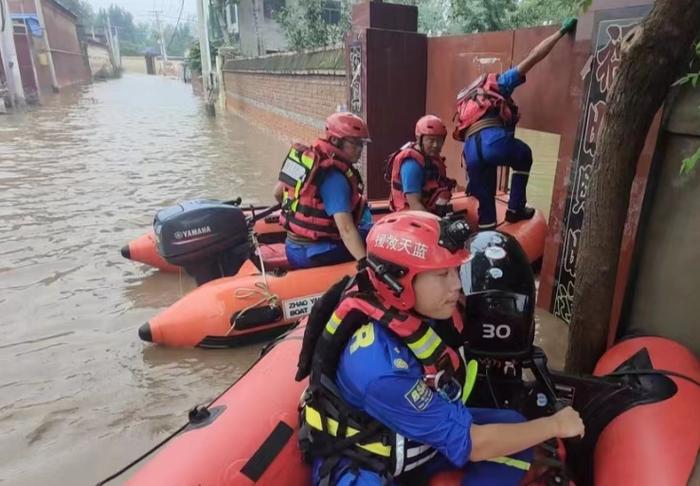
193,413
260,288
140,458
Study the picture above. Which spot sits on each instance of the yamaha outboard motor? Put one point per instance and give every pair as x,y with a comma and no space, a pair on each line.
206,237
500,297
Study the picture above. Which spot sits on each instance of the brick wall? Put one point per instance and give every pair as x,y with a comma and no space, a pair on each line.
293,106
290,94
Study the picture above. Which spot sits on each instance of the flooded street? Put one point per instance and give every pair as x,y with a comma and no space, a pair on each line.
80,395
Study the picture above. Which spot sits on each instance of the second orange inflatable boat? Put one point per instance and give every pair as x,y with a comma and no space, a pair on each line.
144,249
251,305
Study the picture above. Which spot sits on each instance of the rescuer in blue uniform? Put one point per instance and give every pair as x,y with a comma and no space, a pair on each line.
486,119
386,399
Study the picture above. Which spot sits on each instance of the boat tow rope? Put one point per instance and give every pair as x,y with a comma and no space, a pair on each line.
194,415
260,288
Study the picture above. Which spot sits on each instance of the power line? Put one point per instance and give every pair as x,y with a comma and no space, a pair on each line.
182,4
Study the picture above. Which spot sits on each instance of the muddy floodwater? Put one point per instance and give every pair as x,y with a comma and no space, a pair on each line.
80,395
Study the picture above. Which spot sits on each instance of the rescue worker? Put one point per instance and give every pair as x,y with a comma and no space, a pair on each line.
487,116
323,207
417,171
386,396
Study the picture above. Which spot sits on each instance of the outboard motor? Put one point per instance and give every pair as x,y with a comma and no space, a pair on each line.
499,287
208,238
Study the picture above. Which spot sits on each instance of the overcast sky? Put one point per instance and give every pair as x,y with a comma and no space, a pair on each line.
141,9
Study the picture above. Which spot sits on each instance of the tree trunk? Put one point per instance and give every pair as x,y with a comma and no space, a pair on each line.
650,63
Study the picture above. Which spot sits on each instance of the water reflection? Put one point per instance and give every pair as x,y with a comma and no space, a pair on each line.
79,177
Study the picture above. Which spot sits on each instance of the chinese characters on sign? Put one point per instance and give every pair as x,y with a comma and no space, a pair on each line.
607,39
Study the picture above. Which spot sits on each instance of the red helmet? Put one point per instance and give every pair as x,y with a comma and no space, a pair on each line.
402,245
346,124
430,125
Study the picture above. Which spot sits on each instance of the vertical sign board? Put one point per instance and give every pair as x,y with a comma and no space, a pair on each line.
610,28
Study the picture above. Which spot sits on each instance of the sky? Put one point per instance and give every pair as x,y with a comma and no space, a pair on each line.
141,9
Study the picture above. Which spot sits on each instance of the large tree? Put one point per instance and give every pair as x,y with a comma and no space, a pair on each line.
650,62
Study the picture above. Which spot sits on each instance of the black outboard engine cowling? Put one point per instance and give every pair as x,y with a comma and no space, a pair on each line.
206,237
499,286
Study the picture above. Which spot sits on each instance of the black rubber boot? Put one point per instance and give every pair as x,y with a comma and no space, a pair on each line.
520,214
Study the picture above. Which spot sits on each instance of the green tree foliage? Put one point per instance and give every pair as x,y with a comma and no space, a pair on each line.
315,23
194,58
134,39
81,8
483,15
307,24
689,164
178,39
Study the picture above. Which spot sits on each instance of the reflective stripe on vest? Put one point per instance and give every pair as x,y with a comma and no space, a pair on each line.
308,162
332,324
509,461
405,454
313,418
425,344
303,211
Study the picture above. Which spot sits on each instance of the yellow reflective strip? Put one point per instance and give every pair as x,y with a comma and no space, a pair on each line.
520,172
509,461
293,154
426,345
332,324
307,161
313,418
470,379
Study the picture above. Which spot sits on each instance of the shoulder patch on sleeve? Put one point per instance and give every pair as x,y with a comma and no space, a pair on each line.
419,396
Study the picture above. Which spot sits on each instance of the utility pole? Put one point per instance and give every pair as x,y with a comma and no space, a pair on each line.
163,49
117,49
9,57
52,69
113,46
205,53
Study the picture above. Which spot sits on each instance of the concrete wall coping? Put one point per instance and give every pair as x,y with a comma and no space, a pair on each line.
323,62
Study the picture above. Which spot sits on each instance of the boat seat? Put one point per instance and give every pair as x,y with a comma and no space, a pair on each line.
274,257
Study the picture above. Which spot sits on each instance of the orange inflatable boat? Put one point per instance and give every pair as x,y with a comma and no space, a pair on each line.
144,249
254,304
642,423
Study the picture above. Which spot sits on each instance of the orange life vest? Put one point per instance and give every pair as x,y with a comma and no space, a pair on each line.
436,184
480,99
303,212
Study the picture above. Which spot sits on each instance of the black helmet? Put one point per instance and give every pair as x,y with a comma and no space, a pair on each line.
499,286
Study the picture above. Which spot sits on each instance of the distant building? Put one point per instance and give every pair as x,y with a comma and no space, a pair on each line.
69,59
258,30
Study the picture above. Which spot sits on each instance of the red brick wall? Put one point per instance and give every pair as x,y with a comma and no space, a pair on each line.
293,106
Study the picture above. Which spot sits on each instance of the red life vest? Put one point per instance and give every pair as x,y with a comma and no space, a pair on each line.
483,98
436,184
303,212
